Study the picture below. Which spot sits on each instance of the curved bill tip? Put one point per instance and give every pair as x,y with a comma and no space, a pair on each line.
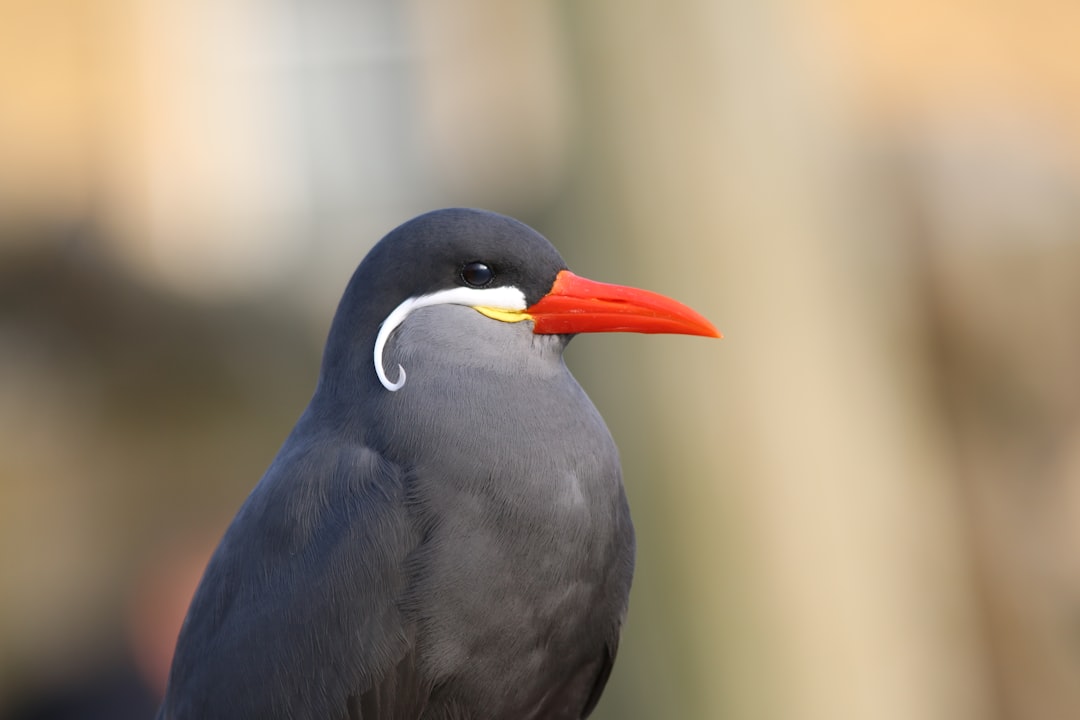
579,305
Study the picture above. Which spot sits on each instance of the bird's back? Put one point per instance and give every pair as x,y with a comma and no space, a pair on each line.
297,609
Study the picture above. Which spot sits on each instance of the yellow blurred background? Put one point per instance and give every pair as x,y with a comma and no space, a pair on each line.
863,504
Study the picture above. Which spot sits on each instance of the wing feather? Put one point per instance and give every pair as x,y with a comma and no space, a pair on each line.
297,615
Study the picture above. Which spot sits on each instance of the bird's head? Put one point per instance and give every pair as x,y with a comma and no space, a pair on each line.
499,267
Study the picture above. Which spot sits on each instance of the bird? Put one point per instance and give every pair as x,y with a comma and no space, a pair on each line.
444,534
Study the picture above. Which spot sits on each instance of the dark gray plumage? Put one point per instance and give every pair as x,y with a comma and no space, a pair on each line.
458,549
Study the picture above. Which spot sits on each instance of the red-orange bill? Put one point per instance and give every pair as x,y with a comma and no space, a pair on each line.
578,305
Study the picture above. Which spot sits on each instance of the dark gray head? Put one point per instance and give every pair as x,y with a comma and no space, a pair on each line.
461,291
455,256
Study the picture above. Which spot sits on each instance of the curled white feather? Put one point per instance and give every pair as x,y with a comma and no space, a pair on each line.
503,298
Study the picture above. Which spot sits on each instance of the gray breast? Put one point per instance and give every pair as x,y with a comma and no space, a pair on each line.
515,476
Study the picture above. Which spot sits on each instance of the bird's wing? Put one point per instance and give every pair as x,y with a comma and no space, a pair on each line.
574,695
297,614
599,681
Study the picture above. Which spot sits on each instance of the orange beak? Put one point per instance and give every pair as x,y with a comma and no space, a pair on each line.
577,305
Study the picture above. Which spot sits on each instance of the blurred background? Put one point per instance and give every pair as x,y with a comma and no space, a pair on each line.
863,504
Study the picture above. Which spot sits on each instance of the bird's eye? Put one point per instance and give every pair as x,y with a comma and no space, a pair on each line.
477,274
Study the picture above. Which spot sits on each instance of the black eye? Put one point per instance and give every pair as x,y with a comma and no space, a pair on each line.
477,274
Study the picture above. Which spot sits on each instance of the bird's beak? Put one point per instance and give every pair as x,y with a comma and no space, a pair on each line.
577,305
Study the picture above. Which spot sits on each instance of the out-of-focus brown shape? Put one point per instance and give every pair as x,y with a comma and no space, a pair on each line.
159,602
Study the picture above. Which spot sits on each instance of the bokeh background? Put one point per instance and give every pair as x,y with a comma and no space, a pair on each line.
863,504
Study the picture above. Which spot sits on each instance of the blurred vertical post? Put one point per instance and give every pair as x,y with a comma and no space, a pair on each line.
821,570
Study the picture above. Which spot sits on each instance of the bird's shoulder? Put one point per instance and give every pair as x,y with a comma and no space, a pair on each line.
298,608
